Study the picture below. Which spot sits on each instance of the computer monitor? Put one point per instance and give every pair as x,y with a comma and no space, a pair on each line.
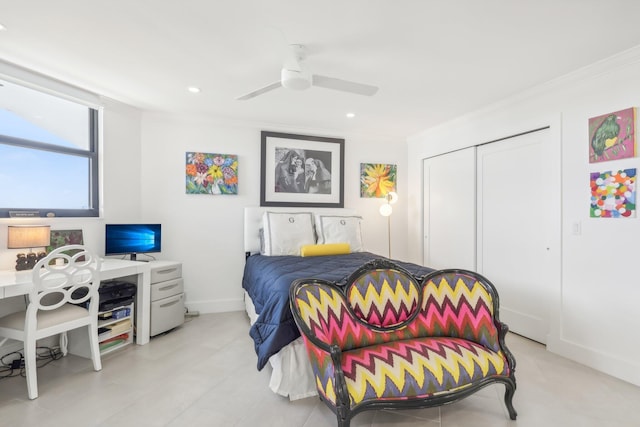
132,239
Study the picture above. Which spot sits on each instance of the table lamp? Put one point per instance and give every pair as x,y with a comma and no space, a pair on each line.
28,236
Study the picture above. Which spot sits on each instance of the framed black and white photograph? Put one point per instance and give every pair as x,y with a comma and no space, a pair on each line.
301,170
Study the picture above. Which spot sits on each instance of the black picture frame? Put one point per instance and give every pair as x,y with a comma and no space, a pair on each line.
317,182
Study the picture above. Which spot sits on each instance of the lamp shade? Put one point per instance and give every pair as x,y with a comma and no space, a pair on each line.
386,209
28,236
392,197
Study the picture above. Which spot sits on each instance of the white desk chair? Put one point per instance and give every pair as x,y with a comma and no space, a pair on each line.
50,310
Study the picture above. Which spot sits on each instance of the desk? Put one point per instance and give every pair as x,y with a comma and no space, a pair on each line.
16,283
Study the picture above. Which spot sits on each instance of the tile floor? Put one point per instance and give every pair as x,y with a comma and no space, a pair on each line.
203,374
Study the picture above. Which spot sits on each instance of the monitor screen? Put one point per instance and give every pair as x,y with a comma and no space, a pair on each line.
121,239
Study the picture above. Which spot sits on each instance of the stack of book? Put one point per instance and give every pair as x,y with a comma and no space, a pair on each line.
114,329
122,338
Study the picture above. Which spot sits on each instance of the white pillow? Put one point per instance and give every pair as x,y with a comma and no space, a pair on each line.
340,229
286,232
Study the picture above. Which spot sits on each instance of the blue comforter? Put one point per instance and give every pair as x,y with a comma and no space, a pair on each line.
267,279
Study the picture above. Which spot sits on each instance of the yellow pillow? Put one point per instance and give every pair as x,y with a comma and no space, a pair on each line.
326,249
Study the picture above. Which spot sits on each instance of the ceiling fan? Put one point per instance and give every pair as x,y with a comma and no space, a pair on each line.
295,76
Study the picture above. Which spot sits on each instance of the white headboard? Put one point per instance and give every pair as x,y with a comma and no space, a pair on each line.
253,221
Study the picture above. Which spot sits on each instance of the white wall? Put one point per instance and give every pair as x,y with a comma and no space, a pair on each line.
119,198
143,180
120,175
205,232
595,317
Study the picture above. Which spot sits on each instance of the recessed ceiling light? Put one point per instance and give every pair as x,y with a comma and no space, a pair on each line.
351,115
3,28
193,89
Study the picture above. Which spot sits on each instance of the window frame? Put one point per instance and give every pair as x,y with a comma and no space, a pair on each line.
91,155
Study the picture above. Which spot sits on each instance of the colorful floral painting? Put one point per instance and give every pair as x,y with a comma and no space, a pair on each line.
377,180
61,238
612,136
212,173
613,194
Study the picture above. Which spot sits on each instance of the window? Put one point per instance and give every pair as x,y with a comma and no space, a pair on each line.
48,154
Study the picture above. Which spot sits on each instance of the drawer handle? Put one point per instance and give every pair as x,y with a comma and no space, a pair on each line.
167,270
165,288
170,303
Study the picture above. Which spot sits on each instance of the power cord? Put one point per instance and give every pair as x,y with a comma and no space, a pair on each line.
12,364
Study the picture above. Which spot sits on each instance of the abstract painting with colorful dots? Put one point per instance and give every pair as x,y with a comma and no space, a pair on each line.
612,136
613,194
209,173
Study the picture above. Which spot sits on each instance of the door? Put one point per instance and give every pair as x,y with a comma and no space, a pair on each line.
450,210
517,230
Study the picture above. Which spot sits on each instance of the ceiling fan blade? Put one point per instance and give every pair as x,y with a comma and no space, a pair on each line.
344,85
260,91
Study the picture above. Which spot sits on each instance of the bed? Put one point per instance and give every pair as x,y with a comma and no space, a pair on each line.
266,282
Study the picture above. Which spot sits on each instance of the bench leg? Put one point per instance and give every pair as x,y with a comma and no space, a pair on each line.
510,390
343,417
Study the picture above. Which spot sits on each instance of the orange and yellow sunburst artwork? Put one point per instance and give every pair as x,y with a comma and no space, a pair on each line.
377,179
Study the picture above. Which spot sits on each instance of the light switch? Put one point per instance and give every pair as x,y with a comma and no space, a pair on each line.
576,228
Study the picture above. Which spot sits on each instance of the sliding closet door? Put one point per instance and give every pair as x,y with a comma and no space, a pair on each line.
449,210
518,207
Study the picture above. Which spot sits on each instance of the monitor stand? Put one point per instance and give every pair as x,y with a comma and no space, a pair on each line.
133,257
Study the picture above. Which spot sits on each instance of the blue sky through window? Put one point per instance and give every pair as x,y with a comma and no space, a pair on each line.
36,179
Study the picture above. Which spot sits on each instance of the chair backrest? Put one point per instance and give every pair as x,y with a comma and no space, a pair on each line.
459,303
69,274
383,297
382,302
376,304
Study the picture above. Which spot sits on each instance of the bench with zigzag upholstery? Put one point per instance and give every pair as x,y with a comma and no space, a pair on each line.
387,339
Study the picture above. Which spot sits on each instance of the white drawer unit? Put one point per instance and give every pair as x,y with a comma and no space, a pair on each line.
166,289
167,296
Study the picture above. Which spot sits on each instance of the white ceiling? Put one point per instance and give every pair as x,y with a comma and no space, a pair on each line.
432,60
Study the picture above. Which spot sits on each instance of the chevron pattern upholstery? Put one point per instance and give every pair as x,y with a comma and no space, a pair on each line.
417,367
456,304
383,297
387,338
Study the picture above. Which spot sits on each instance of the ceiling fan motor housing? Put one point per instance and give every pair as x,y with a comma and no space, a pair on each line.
295,79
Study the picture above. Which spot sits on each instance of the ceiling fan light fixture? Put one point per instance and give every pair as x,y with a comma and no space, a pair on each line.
295,80
295,76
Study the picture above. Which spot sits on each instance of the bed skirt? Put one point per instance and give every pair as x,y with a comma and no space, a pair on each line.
291,374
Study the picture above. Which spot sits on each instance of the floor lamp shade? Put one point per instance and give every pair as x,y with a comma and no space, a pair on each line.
387,210
28,236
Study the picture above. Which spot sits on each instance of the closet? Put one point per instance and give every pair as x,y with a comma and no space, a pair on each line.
450,210
495,208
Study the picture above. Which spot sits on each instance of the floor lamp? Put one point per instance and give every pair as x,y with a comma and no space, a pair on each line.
387,210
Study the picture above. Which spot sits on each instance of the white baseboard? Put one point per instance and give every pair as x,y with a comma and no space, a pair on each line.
216,306
608,363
